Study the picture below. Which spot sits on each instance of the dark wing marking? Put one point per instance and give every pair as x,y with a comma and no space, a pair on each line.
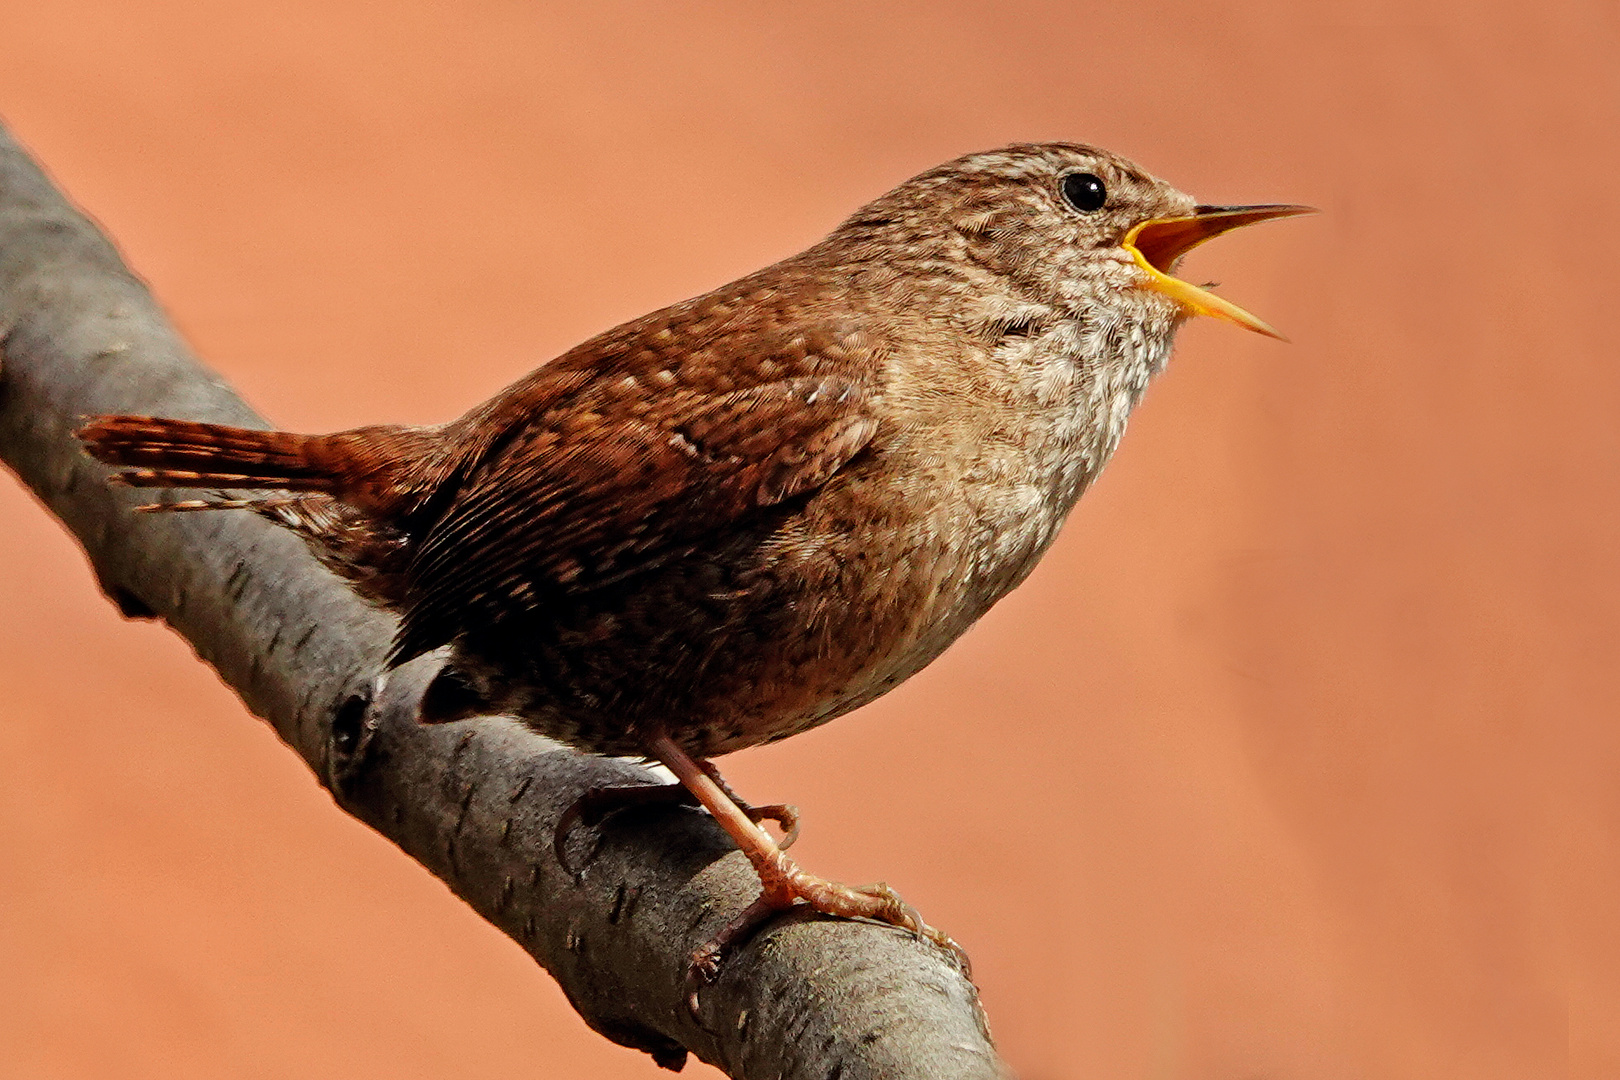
599,486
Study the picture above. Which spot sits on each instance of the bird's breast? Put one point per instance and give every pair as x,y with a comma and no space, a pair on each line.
965,491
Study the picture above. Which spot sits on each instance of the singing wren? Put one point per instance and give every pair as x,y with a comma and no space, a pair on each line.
741,516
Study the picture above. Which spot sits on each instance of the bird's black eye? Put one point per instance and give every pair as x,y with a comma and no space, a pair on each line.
1085,192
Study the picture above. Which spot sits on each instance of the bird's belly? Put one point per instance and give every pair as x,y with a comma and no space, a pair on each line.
873,606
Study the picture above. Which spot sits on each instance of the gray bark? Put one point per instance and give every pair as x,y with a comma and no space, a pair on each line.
474,802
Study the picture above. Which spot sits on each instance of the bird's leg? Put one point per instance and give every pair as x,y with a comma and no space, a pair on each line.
783,884
596,804
784,814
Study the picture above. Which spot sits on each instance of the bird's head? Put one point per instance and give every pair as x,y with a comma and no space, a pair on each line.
1070,225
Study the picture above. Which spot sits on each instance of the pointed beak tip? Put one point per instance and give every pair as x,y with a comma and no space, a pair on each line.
1258,212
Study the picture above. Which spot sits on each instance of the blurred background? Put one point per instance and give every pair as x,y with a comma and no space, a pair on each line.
1293,759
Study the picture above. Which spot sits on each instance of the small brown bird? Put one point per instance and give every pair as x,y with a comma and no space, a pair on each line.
739,517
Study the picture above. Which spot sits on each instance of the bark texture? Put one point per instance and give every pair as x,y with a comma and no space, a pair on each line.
475,802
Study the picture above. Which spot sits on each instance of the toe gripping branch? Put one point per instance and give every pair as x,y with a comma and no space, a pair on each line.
783,884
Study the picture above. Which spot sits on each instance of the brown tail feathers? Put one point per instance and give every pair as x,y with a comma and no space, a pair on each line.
185,453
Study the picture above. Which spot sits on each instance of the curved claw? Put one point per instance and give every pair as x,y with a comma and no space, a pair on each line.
784,814
909,918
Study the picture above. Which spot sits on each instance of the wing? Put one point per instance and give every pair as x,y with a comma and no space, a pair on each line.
622,472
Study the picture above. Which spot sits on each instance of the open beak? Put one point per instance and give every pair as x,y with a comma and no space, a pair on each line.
1156,246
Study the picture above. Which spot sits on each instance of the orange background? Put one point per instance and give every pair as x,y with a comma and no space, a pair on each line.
1295,758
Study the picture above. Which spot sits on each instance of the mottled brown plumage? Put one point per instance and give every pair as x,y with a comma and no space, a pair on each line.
745,514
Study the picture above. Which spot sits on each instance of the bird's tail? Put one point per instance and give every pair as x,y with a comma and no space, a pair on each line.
184,453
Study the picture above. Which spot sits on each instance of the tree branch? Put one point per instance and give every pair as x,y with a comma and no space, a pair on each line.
474,802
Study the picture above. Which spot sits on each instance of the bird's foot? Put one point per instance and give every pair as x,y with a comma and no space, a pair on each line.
594,807
786,887
783,884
